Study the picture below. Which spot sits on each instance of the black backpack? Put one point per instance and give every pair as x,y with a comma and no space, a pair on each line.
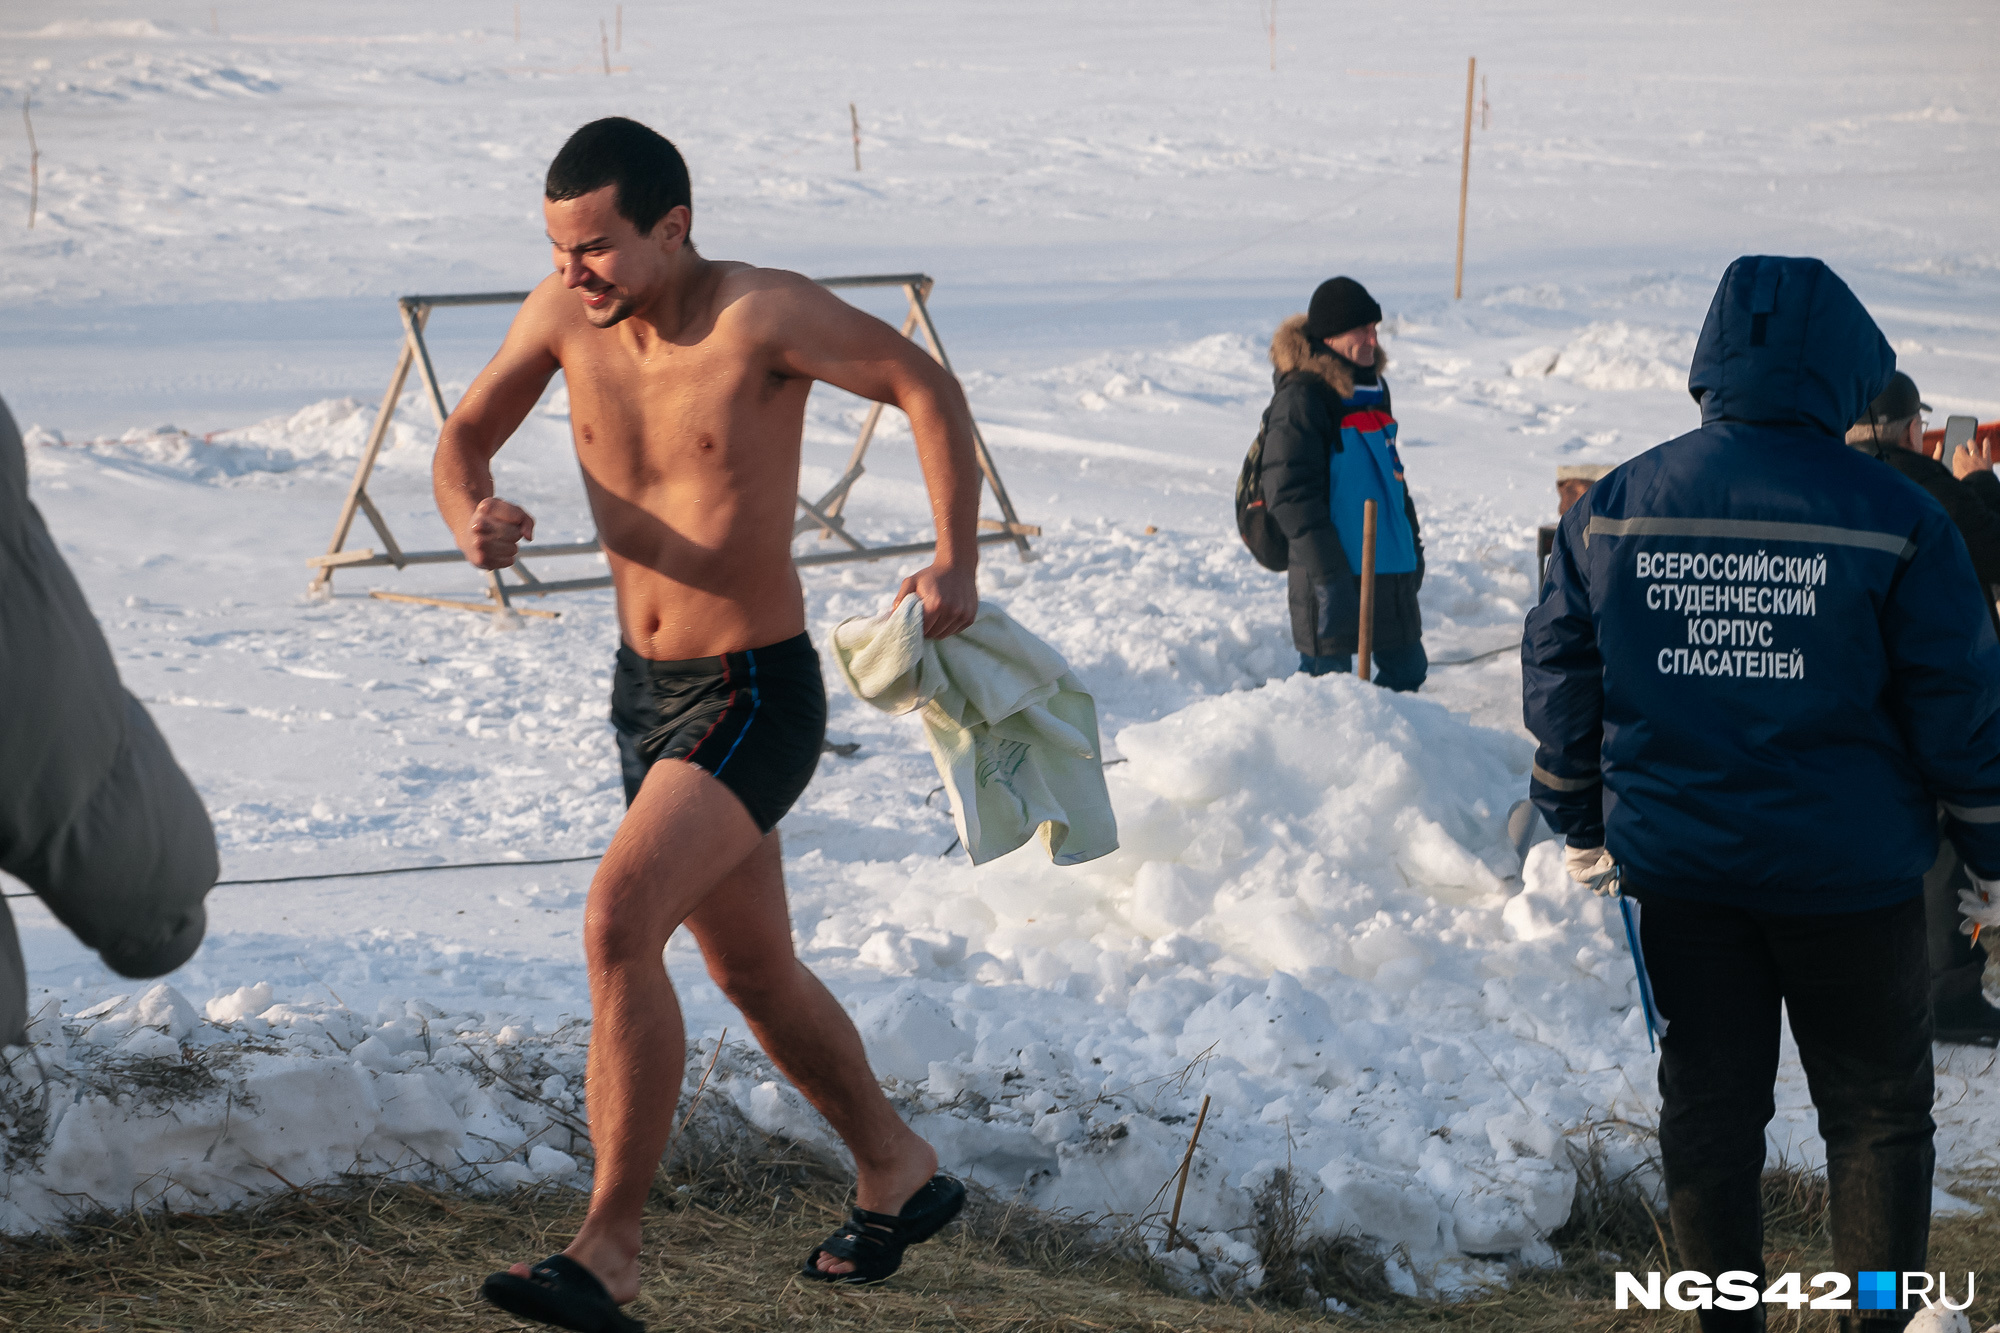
1260,531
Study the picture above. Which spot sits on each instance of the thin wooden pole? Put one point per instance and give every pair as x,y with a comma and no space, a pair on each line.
1174,1222
452,604
1365,651
604,41
854,119
1464,179
414,318
366,465
920,298
1271,28
836,498
34,164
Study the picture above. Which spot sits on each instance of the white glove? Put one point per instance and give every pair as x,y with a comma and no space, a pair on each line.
1980,906
1593,868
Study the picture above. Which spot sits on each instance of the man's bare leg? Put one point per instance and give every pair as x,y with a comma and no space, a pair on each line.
658,873
683,835
745,935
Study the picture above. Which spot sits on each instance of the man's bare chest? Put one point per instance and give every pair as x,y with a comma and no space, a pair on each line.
703,407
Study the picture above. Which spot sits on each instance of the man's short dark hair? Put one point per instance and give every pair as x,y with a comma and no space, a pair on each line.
648,171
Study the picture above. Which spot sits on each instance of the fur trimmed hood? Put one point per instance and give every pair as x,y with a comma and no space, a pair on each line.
1290,351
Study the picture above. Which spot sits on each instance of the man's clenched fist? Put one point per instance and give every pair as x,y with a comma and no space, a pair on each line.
495,535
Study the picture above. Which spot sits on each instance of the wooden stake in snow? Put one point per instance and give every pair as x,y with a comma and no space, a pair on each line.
1464,180
457,605
604,41
1270,11
854,119
34,164
1364,652
1174,1222
699,1088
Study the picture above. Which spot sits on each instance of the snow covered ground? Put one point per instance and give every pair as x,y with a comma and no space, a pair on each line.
1315,919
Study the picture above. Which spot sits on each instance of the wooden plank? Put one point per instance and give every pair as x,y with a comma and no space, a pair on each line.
547,586
485,608
1364,652
992,473
876,280
886,552
342,559
828,524
836,494
1464,185
467,298
363,467
835,500
381,529
414,319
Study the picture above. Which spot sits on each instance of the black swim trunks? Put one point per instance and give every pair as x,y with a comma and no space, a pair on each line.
754,719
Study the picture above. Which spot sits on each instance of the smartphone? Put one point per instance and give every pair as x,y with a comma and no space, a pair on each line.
1957,431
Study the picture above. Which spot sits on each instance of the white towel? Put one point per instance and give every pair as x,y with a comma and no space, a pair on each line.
1013,732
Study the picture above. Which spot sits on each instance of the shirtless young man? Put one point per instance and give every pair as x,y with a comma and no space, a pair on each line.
687,388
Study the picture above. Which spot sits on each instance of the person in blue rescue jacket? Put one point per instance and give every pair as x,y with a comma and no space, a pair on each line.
1329,447
1757,666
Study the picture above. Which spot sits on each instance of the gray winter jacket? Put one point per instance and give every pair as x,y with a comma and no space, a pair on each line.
95,816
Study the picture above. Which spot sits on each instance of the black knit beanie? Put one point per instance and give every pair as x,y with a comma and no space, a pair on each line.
1338,305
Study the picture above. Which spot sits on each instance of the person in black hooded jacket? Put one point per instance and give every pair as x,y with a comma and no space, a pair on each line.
1758,665
1329,443
1893,430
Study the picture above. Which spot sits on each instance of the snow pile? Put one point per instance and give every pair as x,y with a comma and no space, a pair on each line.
1319,804
1614,355
99,28
123,75
327,433
1310,921
337,428
141,1101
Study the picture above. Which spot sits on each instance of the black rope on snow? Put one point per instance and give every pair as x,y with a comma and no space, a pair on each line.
392,870
1478,657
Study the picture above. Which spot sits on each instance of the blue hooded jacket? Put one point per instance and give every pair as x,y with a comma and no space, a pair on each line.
1761,658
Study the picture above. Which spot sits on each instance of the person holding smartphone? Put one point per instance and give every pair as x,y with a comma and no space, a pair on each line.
1892,429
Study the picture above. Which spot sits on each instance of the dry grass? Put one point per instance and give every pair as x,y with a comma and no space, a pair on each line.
726,1232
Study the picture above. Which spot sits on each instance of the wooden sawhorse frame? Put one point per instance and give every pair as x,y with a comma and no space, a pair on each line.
825,514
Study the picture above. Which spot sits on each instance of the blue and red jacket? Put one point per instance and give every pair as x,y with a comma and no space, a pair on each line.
1329,446
1761,660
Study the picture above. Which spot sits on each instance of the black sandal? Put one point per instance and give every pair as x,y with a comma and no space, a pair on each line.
874,1242
560,1291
